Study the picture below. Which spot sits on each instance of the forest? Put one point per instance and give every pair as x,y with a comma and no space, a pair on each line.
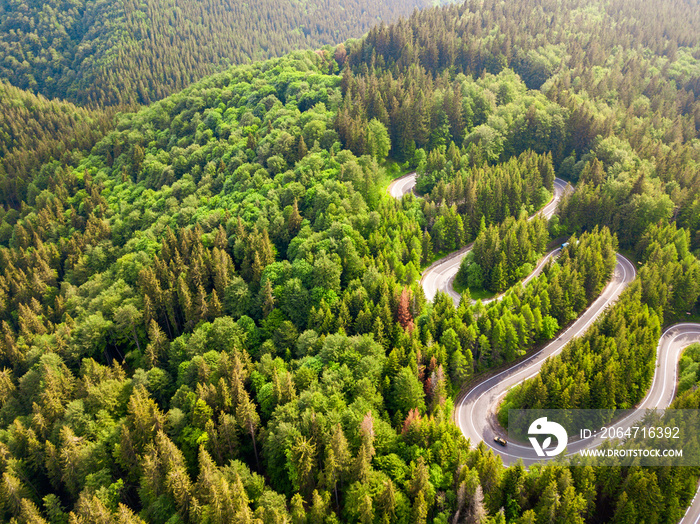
99,53
503,255
211,310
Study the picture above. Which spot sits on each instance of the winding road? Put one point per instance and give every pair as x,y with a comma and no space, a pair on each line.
402,186
440,275
476,410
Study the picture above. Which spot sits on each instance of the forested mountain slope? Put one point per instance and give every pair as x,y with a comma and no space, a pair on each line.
34,130
99,52
214,315
618,110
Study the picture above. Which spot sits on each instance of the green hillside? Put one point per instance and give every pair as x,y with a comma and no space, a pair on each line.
210,309
98,52
35,131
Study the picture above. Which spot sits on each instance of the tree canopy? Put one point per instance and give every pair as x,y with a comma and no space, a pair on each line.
210,309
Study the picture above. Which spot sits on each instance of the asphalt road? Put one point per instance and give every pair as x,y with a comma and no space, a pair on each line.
692,514
440,275
402,186
476,411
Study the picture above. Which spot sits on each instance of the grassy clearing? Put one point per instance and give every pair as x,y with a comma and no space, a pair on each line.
475,294
392,170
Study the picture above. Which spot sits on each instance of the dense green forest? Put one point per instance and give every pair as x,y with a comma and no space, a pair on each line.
668,286
688,368
35,131
502,255
230,333
98,53
210,309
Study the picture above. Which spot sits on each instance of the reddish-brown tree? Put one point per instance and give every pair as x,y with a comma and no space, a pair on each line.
405,317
